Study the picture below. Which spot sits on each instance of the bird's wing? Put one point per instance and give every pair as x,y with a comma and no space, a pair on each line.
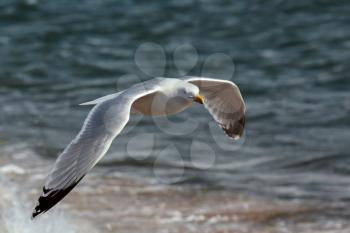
104,122
224,101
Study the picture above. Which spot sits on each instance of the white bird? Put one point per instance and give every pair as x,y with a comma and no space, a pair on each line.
156,97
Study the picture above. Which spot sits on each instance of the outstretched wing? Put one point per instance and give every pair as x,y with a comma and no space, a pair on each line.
104,122
224,101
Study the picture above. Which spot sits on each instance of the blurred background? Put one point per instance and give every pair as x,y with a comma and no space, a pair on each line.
289,173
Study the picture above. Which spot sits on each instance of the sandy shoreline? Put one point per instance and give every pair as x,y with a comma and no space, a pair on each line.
112,202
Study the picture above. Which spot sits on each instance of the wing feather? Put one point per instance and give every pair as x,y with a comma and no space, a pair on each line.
224,102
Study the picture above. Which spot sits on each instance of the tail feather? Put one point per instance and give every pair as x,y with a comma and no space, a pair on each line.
101,99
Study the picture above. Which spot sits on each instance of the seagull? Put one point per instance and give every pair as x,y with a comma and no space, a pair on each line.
110,114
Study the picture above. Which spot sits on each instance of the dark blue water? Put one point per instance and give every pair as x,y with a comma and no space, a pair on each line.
291,62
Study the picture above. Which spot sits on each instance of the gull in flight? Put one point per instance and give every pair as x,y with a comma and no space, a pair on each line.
110,114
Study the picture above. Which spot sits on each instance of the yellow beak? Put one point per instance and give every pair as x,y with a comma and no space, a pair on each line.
199,99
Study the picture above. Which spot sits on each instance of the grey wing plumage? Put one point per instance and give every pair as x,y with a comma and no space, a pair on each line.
104,122
224,101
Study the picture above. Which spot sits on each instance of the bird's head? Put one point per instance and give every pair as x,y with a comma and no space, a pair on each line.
190,92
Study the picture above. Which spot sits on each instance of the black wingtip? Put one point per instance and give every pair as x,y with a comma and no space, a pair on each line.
235,130
42,203
50,198
35,213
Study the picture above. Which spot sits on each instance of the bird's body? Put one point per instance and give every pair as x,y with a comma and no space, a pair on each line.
156,97
166,101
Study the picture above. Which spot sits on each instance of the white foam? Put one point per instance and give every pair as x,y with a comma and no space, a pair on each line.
12,169
15,214
15,218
